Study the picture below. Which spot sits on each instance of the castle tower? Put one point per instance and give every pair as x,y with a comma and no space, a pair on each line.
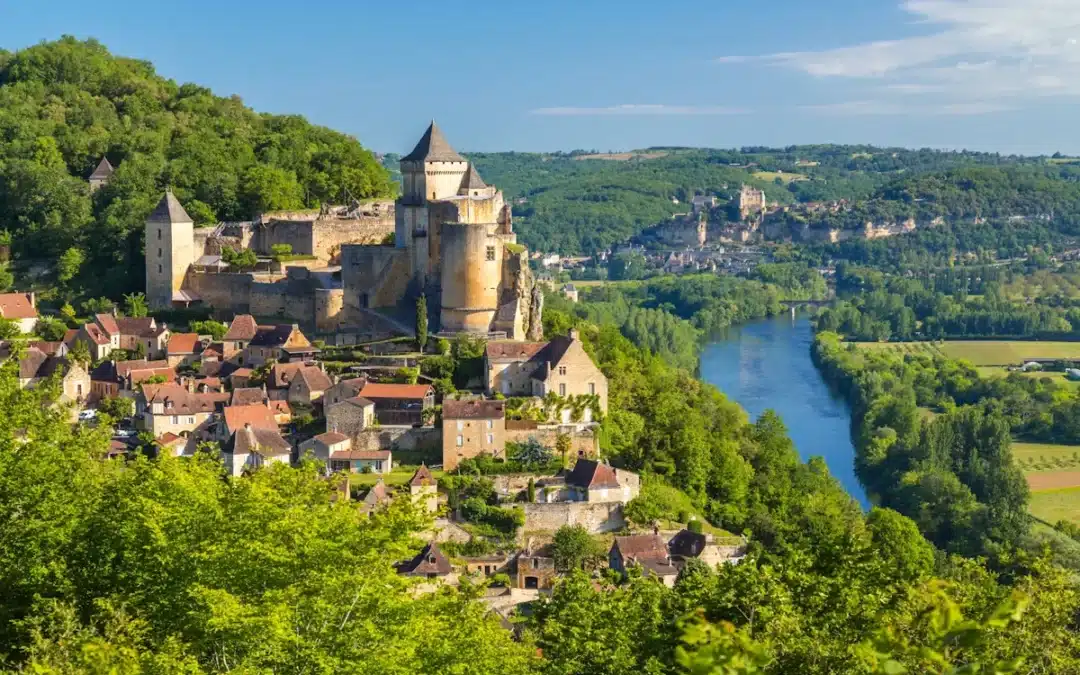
170,250
432,171
101,175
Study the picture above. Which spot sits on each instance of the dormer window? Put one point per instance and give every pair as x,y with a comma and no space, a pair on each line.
562,370
168,405
490,253
431,559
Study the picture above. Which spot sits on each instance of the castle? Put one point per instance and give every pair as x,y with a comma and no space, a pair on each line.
452,239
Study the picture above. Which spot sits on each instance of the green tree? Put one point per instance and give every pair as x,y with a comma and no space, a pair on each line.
135,305
9,328
51,329
80,353
573,548
68,266
421,322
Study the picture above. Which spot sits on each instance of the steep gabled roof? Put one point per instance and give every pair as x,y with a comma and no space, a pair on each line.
592,475
103,170
422,477
472,180
314,378
272,336
182,343
169,210
243,327
433,147
17,306
258,416
429,561
513,350
265,442
242,396
642,546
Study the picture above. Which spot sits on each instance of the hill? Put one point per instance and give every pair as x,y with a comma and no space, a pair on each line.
583,201
66,104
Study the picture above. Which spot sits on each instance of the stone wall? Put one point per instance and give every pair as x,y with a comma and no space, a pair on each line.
583,442
231,291
374,276
321,236
399,438
594,517
329,308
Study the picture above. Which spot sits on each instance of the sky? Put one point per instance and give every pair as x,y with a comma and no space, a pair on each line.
995,75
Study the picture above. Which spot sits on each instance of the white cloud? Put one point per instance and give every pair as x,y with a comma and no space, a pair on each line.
900,108
973,53
640,109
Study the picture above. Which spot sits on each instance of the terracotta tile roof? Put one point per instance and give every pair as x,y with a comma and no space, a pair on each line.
378,494
169,438
474,410
509,350
182,343
243,327
315,378
265,442
641,546
176,399
374,390
241,372
422,477
592,475
49,348
383,455
282,374
429,561
144,374
280,407
331,437
247,396
141,327
258,416
125,368
107,323
96,334
17,306
69,335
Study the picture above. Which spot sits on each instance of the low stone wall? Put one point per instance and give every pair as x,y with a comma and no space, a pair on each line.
399,438
595,518
583,442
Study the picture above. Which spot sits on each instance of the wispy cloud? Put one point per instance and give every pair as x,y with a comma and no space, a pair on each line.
974,53
897,108
640,109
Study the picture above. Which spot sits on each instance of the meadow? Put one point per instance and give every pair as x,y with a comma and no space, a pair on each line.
986,352
1054,505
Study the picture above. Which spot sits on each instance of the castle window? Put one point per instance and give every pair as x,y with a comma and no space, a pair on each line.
159,234
159,269
460,440
159,253
592,389
562,370
490,253
491,439
562,389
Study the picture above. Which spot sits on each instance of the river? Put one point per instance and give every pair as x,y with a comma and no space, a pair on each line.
766,364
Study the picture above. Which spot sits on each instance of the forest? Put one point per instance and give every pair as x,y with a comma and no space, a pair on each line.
66,104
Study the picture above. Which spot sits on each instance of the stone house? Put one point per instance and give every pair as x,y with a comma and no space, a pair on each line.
424,489
361,461
489,565
351,416
248,396
535,569
430,563
649,551
378,495
101,175
131,374
104,382
685,545
170,408
472,428
560,367
399,404
237,417
344,389
308,386
99,343
282,342
589,481
129,333
20,308
183,349
36,366
252,447
241,332
570,292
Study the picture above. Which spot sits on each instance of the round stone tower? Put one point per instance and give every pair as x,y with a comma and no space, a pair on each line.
471,270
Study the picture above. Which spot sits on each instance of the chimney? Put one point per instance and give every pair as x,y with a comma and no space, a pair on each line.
575,334
247,426
32,297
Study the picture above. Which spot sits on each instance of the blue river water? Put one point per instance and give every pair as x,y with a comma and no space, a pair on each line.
766,364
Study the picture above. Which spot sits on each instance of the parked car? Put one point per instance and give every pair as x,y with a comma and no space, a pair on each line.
87,415
125,433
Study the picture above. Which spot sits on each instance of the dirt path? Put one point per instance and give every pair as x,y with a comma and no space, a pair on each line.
1053,480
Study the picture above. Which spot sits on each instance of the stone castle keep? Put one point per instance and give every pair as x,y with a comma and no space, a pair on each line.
452,240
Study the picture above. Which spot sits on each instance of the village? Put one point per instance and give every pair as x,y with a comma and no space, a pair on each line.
479,421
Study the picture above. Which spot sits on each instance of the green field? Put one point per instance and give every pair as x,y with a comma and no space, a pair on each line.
1046,456
392,478
985,352
771,176
1001,371
1055,505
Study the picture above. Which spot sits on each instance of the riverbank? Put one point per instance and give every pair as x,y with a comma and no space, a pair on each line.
766,364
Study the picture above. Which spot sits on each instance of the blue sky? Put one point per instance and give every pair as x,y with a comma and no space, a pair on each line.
1001,75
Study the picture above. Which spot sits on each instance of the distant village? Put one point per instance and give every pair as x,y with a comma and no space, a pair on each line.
317,359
